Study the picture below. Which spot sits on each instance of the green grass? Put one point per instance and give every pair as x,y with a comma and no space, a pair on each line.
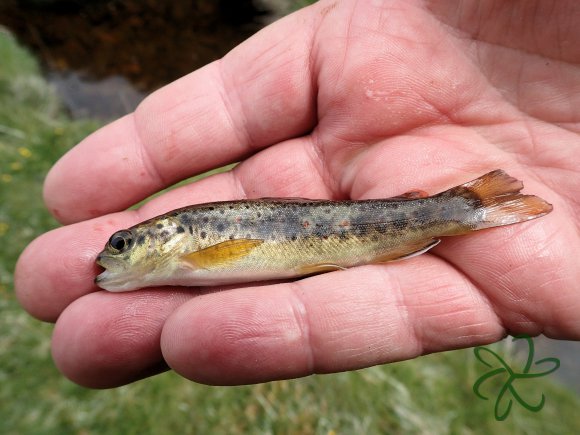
432,394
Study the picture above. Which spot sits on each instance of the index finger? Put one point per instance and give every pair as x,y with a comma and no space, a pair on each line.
257,95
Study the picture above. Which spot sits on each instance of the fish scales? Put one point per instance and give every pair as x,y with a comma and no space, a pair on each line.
264,239
344,233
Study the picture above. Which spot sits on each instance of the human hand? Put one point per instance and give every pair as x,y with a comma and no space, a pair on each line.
340,100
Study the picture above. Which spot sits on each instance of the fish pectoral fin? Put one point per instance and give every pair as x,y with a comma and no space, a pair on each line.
221,253
313,269
413,194
408,251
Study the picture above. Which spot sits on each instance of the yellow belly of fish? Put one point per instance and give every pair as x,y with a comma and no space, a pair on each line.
286,259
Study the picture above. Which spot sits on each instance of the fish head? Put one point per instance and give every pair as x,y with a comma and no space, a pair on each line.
137,257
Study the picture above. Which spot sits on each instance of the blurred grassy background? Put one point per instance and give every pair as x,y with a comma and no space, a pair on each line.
432,394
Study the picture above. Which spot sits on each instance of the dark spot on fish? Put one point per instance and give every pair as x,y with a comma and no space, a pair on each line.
320,231
231,207
140,239
259,214
164,233
185,219
359,228
247,207
205,219
220,227
399,220
180,229
232,236
190,228
203,234
159,226
401,224
211,208
293,237
382,228
327,211
422,215
222,211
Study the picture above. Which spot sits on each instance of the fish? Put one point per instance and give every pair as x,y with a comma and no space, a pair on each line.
266,239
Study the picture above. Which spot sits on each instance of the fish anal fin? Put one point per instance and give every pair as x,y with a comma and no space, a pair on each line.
221,253
408,251
413,194
313,269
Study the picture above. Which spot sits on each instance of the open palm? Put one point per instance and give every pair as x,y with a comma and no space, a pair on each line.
340,100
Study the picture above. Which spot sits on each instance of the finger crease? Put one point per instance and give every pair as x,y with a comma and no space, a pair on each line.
303,324
394,286
147,160
318,161
238,186
242,133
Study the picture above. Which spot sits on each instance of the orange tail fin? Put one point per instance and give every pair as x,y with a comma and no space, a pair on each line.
498,194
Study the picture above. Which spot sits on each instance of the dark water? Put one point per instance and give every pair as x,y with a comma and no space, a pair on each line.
103,56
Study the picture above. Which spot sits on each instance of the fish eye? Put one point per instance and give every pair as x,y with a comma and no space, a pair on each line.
121,240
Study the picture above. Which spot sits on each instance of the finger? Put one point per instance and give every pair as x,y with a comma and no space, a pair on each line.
339,321
105,340
259,94
59,267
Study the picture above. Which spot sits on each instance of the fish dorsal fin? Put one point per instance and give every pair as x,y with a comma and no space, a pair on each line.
221,253
408,251
413,194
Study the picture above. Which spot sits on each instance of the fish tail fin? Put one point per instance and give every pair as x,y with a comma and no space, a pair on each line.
498,195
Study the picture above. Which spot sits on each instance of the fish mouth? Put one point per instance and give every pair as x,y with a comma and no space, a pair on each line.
116,277
111,281
107,277
99,261
106,274
102,277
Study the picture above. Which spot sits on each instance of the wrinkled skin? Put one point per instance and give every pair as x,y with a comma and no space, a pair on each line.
340,100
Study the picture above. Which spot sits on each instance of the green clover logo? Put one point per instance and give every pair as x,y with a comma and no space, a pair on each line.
502,409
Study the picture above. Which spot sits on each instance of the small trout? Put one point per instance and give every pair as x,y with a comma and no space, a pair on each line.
264,239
